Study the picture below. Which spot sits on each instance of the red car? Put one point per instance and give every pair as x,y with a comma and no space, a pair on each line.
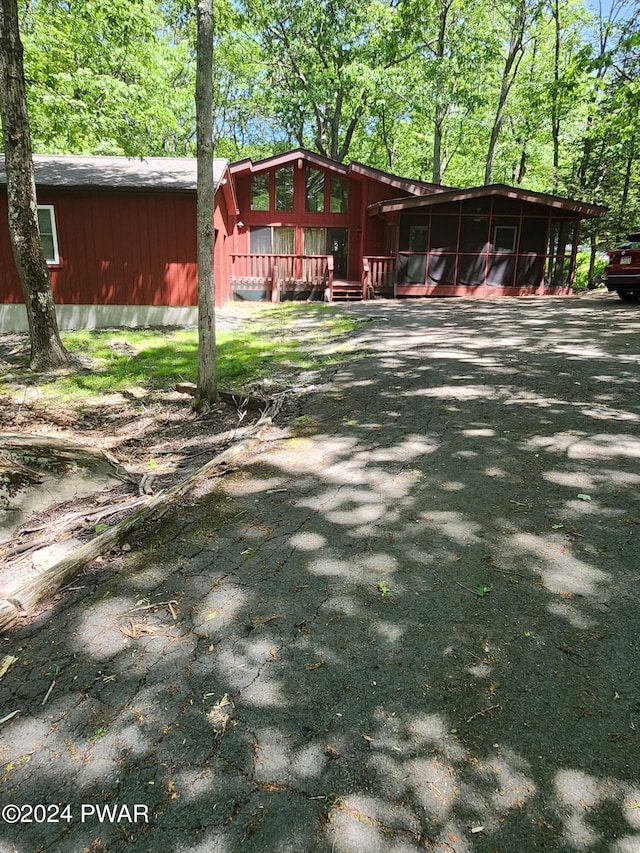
622,273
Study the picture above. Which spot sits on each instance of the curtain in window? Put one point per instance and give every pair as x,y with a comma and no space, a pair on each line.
315,241
260,240
283,241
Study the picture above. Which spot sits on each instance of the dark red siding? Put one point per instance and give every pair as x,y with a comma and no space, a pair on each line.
116,248
222,222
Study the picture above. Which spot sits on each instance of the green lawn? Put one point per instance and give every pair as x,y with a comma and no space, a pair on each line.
268,341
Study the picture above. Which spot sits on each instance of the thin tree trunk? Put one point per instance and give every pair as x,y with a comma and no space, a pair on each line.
436,176
46,347
508,76
555,96
207,387
627,180
441,110
509,73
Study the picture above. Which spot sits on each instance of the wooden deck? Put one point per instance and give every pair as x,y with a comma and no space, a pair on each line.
279,278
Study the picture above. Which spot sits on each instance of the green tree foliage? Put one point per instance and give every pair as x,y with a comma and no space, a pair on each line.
109,77
320,65
539,93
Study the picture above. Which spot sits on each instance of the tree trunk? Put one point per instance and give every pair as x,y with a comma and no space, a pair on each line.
555,96
46,347
509,73
508,76
207,386
436,175
441,110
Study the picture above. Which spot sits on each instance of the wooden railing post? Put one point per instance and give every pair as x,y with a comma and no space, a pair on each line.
275,283
330,276
366,278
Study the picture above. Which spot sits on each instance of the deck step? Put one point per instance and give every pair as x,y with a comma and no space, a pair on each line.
347,291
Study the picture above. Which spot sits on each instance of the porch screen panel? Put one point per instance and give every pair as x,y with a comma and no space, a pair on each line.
501,269
412,259
501,266
531,252
530,271
443,247
561,240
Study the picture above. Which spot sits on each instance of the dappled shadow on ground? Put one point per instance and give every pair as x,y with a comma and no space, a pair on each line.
119,391
409,624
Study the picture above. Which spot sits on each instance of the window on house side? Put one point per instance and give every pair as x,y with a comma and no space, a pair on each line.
260,192
48,234
284,188
504,238
315,190
260,240
339,196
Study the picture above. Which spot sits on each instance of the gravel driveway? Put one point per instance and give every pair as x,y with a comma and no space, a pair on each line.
410,622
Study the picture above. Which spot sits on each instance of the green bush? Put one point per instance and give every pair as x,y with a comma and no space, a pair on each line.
581,278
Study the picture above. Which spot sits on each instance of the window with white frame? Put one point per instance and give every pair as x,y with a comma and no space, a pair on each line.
504,238
48,234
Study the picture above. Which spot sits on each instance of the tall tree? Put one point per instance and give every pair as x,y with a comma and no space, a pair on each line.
321,63
110,76
207,391
47,350
517,16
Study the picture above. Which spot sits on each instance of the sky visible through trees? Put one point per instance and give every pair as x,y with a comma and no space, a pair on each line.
543,94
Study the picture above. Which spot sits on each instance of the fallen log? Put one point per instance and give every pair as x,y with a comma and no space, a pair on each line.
64,527
22,601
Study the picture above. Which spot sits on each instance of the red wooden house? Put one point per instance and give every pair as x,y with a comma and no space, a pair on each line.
312,228
305,229
120,237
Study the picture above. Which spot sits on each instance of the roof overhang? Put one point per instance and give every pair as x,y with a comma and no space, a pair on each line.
66,170
302,156
582,209
290,158
125,173
222,181
411,186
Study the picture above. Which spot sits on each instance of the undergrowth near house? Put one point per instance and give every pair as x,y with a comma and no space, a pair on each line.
119,391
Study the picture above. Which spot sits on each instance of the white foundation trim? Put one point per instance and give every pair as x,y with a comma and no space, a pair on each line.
13,318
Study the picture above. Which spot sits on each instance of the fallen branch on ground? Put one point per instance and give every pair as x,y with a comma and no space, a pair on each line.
36,589
64,528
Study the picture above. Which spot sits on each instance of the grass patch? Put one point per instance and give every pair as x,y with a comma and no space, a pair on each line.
267,342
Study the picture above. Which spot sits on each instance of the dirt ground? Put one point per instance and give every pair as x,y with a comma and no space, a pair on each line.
408,622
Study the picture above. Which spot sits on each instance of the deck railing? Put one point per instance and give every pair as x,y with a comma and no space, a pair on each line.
378,275
283,274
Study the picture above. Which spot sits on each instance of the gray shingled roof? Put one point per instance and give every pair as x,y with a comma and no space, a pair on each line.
168,173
